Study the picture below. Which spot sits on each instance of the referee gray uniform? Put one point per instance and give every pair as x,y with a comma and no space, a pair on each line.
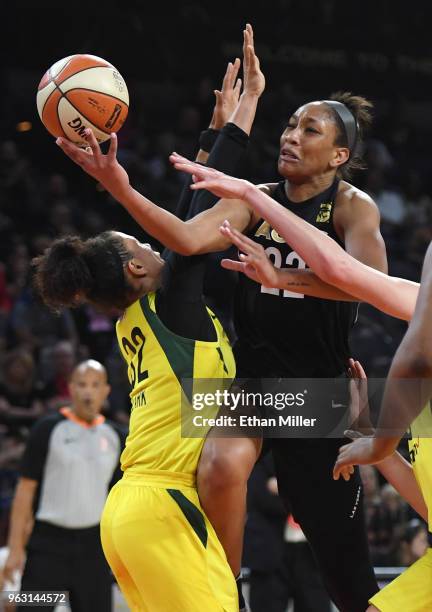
75,464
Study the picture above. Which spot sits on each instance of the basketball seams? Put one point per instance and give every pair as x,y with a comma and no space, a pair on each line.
79,111
56,87
67,64
79,71
59,120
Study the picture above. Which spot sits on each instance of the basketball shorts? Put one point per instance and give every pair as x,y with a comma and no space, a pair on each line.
162,549
411,591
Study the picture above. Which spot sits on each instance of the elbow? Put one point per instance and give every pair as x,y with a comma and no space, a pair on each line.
419,365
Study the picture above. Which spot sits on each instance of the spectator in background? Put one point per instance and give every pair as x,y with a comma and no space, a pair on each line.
35,326
22,396
69,462
57,365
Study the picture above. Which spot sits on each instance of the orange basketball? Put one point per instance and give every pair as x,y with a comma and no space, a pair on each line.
82,91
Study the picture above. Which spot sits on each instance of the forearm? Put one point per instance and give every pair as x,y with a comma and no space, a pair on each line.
308,283
244,114
21,514
400,474
172,232
408,390
394,296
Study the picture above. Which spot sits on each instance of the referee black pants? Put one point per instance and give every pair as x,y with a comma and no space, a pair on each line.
331,516
72,560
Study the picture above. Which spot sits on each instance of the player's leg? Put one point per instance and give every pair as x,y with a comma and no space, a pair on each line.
124,580
224,469
372,609
169,550
331,515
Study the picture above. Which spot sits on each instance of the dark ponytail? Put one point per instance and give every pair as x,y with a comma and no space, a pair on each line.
361,110
73,271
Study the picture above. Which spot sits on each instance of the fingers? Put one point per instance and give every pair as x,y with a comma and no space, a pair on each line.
112,151
71,150
237,88
346,472
240,240
231,264
93,143
230,75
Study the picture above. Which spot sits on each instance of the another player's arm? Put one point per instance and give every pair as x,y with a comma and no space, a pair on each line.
325,257
400,474
409,383
199,235
20,518
229,108
257,266
408,387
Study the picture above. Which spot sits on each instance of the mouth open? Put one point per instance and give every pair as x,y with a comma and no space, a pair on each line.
287,155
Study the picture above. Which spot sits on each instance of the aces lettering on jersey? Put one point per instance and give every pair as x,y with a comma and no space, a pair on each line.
292,260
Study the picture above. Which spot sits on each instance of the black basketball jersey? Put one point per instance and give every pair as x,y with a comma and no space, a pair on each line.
287,334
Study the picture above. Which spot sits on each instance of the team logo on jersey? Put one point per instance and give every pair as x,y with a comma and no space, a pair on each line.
269,233
324,212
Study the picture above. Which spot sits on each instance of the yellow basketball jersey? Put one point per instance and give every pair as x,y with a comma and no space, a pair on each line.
159,362
420,447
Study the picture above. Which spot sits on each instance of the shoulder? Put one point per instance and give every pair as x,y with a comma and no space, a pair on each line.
353,205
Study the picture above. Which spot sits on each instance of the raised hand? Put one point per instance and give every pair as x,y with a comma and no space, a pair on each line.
359,405
102,167
253,259
253,78
220,184
227,97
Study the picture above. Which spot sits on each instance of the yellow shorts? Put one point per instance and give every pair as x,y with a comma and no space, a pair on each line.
411,591
162,549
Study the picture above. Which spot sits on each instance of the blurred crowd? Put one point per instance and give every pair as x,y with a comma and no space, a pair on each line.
42,198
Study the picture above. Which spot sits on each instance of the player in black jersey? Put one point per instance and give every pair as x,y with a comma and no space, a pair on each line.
318,142
287,334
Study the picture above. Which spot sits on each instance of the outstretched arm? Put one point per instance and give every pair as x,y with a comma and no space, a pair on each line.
325,257
409,384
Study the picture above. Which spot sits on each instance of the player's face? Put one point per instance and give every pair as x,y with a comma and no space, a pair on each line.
307,145
144,270
89,390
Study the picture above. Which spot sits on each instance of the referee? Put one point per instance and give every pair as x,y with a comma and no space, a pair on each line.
70,462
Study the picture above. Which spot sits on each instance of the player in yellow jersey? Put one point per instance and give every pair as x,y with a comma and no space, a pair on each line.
161,547
158,540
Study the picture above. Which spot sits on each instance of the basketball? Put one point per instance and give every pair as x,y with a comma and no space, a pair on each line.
82,91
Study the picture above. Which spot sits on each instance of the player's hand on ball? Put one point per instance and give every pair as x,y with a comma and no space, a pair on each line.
253,259
103,167
220,184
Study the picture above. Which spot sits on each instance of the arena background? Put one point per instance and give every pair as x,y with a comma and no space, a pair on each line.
172,55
